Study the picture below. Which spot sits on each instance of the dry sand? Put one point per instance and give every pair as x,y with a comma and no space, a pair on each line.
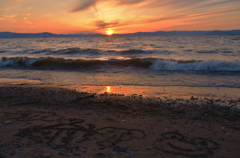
57,122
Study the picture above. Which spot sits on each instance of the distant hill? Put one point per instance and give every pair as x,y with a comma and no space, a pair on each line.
158,33
42,35
25,35
186,33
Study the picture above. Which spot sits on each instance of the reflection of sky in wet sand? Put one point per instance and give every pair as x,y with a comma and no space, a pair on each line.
145,91
108,89
164,91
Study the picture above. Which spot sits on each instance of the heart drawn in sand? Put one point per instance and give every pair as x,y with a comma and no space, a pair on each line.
175,143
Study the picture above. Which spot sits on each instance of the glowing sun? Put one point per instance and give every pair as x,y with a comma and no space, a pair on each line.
109,32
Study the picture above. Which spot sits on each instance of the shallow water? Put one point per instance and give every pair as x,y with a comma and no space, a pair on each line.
163,92
186,61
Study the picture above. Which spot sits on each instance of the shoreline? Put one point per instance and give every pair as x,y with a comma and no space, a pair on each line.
46,121
172,92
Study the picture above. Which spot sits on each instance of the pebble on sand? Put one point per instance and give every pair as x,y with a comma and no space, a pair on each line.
148,148
7,122
120,149
46,155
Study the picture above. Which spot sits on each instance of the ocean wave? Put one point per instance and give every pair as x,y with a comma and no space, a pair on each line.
61,63
207,52
47,50
236,38
152,63
70,51
67,51
227,52
90,51
77,51
207,66
131,51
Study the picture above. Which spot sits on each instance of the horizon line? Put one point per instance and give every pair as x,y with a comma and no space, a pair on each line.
116,33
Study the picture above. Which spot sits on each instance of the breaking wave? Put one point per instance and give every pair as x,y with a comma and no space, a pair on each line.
61,63
89,52
147,63
207,66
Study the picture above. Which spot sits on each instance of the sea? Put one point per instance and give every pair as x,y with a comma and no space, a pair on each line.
202,66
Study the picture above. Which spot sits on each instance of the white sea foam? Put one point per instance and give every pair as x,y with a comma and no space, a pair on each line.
7,63
208,66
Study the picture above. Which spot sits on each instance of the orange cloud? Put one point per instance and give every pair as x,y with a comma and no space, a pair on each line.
190,15
129,2
121,16
102,24
85,4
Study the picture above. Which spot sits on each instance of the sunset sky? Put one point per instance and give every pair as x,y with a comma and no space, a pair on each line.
117,16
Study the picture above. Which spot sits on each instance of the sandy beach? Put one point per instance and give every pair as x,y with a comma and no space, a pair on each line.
119,79
43,121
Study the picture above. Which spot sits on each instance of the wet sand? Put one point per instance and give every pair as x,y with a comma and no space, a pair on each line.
43,121
173,92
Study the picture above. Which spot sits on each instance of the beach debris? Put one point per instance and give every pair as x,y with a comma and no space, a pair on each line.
7,122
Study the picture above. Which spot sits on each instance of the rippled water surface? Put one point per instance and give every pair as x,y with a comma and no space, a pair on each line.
193,61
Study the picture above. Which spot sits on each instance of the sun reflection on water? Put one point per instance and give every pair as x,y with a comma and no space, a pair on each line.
108,89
